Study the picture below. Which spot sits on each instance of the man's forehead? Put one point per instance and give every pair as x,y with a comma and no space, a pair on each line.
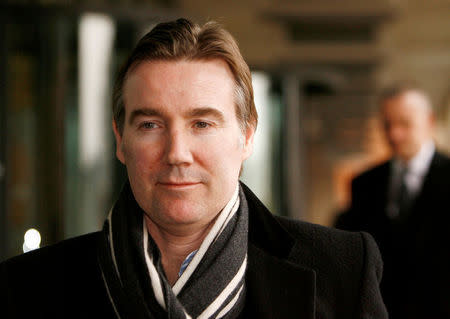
164,74
178,67
408,110
409,100
187,85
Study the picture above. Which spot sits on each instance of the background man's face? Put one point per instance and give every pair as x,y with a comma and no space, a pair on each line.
408,123
182,144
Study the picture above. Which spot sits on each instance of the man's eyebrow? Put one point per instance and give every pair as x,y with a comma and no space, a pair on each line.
143,112
206,111
197,112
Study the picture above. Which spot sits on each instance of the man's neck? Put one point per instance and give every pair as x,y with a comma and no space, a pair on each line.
175,246
421,159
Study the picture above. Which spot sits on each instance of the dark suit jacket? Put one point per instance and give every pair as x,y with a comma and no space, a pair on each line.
295,270
415,248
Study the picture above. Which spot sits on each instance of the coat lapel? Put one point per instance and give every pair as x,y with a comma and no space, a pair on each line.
276,287
432,190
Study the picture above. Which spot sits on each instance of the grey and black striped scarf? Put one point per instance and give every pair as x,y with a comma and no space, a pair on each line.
212,286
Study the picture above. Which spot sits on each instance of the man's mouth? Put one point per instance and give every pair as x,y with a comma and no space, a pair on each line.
178,185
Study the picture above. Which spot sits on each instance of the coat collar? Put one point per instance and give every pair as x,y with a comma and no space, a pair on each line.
276,287
265,232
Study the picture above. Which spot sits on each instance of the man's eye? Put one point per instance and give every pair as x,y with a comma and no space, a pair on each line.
149,125
201,124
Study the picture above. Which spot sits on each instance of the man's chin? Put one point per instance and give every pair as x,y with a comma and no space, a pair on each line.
181,212
404,155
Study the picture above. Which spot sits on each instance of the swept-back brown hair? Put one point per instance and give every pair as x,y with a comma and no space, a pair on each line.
182,39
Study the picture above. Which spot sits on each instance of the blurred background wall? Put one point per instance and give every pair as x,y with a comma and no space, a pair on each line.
317,68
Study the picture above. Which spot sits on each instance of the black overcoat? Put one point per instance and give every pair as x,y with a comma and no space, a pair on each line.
295,270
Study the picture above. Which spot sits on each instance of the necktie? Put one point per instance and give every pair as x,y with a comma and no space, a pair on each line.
403,196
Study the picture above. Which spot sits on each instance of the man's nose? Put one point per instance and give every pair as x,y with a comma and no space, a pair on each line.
178,148
396,134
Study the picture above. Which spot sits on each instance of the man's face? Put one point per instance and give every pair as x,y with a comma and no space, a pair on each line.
408,123
181,143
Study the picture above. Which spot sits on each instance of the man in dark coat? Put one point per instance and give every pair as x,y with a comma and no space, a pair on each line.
185,238
404,204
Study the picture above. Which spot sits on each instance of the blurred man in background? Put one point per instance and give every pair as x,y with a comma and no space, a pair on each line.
405,203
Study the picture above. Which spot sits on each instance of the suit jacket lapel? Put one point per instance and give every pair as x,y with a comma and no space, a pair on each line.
276,287
431,185
433,175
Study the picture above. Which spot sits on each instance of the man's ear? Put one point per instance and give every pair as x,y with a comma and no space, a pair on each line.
119,147
248,142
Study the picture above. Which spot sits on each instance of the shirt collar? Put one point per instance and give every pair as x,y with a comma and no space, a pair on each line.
419,164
